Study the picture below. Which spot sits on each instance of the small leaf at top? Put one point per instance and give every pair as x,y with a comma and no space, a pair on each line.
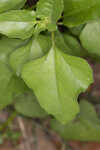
50,11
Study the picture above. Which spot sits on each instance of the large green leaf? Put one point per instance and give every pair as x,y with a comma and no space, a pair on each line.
35,48
27,105
77,12
86,127
68,44
10,85
57,79
50,11
90,38
17,23
6,5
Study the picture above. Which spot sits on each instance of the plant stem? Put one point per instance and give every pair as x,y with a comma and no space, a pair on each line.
53,39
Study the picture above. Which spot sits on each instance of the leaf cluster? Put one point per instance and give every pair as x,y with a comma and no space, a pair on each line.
42,69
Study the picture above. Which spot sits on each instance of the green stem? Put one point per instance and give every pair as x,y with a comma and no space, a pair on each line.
53,39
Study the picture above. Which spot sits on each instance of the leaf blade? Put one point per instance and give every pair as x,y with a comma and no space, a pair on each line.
80,12
77,130
47,77
90,39
17,23
9,4
10,85
27,105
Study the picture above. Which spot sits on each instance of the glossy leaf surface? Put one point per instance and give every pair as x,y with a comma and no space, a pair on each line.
17,23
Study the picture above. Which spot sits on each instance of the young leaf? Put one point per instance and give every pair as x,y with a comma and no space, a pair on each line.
86,127
35,48
57,79
78,12
27,105
90,38
6,5
17,23
50,11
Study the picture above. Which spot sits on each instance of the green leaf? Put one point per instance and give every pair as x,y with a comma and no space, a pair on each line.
86,127
87,111
19,57
90,38
7,46
50,11
10,85
57,79
17,23
77,30
27,105
68,44
35,48
78,12
6,5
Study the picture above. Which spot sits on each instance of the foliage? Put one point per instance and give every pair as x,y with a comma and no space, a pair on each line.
27,105
86,127
42,71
